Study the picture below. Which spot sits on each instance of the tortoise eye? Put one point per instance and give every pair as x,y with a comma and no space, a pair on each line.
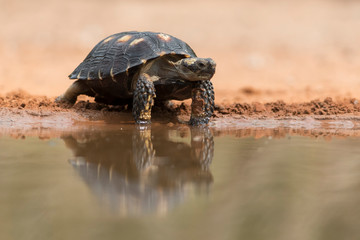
201,65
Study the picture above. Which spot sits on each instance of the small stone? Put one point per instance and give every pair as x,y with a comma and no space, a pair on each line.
224,111
328,100
354,101
258,107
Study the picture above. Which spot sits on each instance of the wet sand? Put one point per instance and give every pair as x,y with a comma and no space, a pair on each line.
23,115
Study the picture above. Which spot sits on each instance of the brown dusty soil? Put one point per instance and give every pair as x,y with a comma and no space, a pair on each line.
38,105
29,103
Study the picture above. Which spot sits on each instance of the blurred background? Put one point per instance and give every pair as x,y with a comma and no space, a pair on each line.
265,50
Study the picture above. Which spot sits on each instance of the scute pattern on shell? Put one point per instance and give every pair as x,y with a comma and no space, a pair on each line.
122,51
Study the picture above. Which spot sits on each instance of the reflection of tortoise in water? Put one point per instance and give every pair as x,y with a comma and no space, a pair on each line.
129,67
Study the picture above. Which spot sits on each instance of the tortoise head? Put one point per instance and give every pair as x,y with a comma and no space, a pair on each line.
195,69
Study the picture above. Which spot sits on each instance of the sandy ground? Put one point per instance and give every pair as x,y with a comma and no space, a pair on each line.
22,113
275,59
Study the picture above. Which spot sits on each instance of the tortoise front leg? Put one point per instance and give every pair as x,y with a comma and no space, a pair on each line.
202,106
143,99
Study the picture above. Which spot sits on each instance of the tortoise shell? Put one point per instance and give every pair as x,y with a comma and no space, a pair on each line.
119,52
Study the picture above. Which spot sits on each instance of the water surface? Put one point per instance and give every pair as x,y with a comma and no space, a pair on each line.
178,182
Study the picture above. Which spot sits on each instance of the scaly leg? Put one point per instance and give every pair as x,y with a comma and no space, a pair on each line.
143,149
202,106
143,99
71,94
202,146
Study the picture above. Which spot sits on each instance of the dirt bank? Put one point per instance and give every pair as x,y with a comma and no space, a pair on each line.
23,114
29,103
20,107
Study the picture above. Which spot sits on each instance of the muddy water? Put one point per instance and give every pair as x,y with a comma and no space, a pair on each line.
176,182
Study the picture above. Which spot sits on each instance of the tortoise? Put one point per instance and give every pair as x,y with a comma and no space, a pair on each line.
135,67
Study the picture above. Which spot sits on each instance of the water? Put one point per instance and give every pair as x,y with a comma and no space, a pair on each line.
179,183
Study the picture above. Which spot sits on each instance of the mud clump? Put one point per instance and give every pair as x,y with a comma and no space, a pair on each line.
22,100
282,109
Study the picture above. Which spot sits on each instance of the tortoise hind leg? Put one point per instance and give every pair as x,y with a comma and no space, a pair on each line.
143,99
71,94
202,106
